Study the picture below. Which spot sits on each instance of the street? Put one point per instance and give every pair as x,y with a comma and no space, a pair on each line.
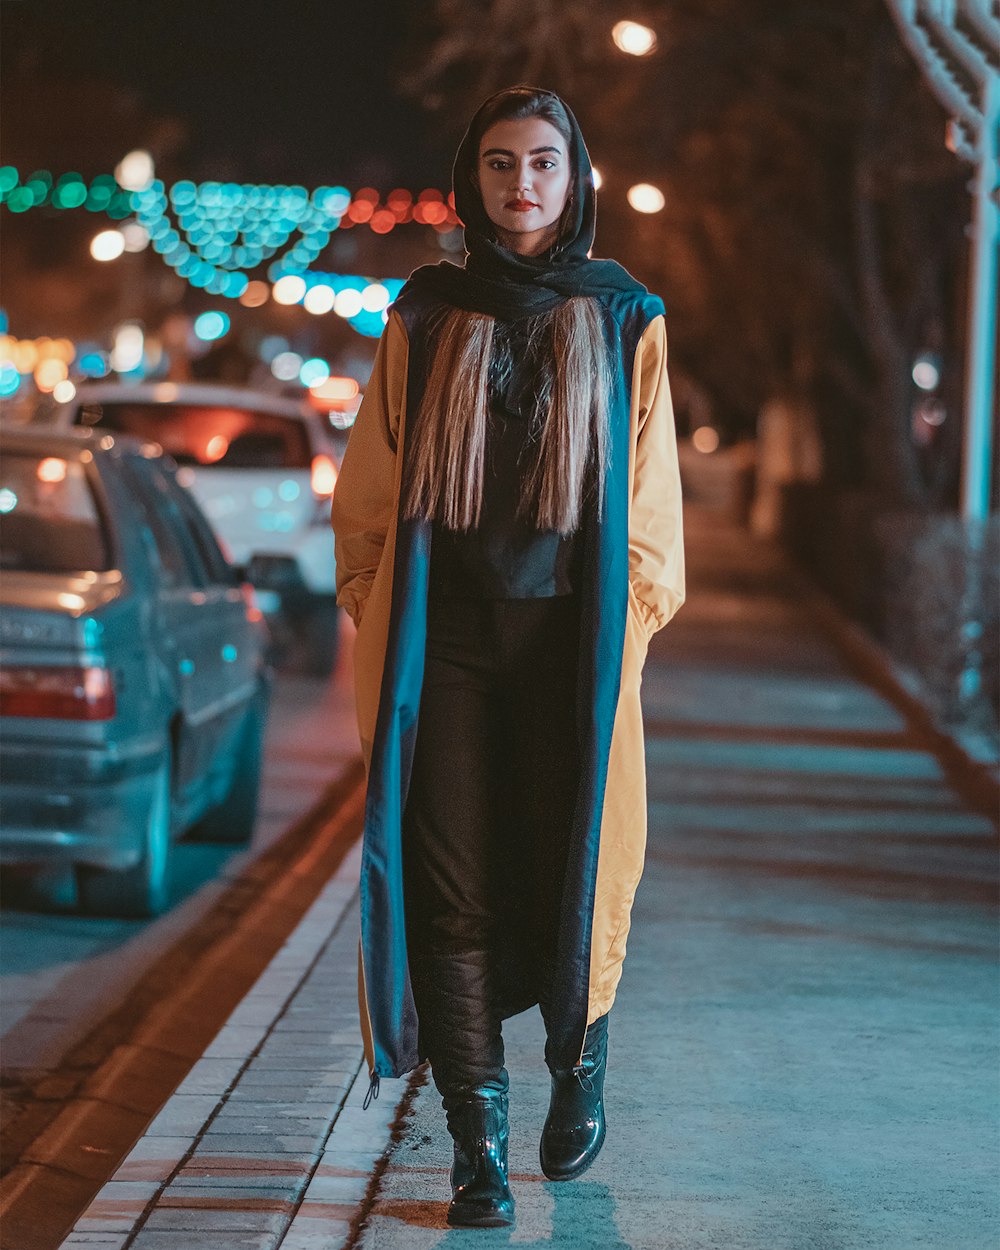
63,973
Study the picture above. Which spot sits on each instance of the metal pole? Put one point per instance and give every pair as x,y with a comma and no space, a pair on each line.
981,355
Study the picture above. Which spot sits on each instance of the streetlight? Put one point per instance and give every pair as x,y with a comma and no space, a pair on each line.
645,198
634,38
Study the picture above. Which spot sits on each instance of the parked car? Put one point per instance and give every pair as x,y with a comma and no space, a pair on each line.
263,469
134,685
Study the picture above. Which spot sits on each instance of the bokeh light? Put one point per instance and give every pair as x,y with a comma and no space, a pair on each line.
256,294
70,191
337,390
135,171
645,198
51,469
705,439
210,326
314,372
94,364
289,289
634,38
107,245
926,373
270,345
319,299
49,373
348,303
374,297
286,365
10,380
129,342
136,236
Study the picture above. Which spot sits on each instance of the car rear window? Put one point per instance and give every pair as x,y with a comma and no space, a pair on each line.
49,519
209,435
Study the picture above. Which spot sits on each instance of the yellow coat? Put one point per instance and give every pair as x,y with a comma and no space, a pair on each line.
371,582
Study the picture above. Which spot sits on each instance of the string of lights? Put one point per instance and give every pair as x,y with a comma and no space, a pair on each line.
216,234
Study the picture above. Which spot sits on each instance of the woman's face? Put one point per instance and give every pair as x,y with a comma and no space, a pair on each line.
524,181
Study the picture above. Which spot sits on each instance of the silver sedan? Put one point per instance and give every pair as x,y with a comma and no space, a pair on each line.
134,683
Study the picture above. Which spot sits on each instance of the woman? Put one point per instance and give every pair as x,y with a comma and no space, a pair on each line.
508,539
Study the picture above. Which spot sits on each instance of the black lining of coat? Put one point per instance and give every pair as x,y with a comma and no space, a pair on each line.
604,609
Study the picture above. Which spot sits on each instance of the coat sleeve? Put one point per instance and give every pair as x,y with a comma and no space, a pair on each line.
656,535
365,494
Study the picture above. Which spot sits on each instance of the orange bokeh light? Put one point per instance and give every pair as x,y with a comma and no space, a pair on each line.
49,373
216,447
337,389
51,469
383,221
257,293
361,210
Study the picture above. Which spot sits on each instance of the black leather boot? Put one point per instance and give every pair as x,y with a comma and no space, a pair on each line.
575,1126
477,1121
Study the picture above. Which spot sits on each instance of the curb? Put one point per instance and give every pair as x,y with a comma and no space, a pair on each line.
65,1164
228,1160
970,763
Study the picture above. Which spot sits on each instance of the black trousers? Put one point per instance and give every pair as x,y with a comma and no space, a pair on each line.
487,823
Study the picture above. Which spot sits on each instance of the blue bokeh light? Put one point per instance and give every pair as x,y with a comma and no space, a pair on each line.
10,380
210,326
314,371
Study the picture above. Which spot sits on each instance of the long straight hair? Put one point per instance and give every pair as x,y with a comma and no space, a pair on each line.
446,457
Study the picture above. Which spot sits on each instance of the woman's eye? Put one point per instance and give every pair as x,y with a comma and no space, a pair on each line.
502,164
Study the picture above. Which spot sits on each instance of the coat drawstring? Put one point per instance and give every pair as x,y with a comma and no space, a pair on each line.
372,1091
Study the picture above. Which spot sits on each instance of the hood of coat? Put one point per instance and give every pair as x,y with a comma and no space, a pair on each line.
505,284
579,222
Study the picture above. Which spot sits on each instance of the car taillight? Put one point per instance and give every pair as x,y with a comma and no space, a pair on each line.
250,604
66,692
324,475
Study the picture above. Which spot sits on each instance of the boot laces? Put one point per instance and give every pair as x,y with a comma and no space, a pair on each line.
583,1077
373,1085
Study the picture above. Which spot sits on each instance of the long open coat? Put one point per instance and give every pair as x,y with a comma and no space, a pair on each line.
633,583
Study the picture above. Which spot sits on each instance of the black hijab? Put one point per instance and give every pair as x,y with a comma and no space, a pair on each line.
499,282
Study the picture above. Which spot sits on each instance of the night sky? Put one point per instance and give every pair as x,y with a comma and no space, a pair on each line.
266,91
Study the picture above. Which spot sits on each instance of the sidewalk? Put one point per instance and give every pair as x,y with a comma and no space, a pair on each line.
804,1048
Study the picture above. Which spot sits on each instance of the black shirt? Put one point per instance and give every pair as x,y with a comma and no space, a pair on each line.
506,557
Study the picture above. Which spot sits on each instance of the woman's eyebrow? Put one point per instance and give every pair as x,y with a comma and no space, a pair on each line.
508,152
